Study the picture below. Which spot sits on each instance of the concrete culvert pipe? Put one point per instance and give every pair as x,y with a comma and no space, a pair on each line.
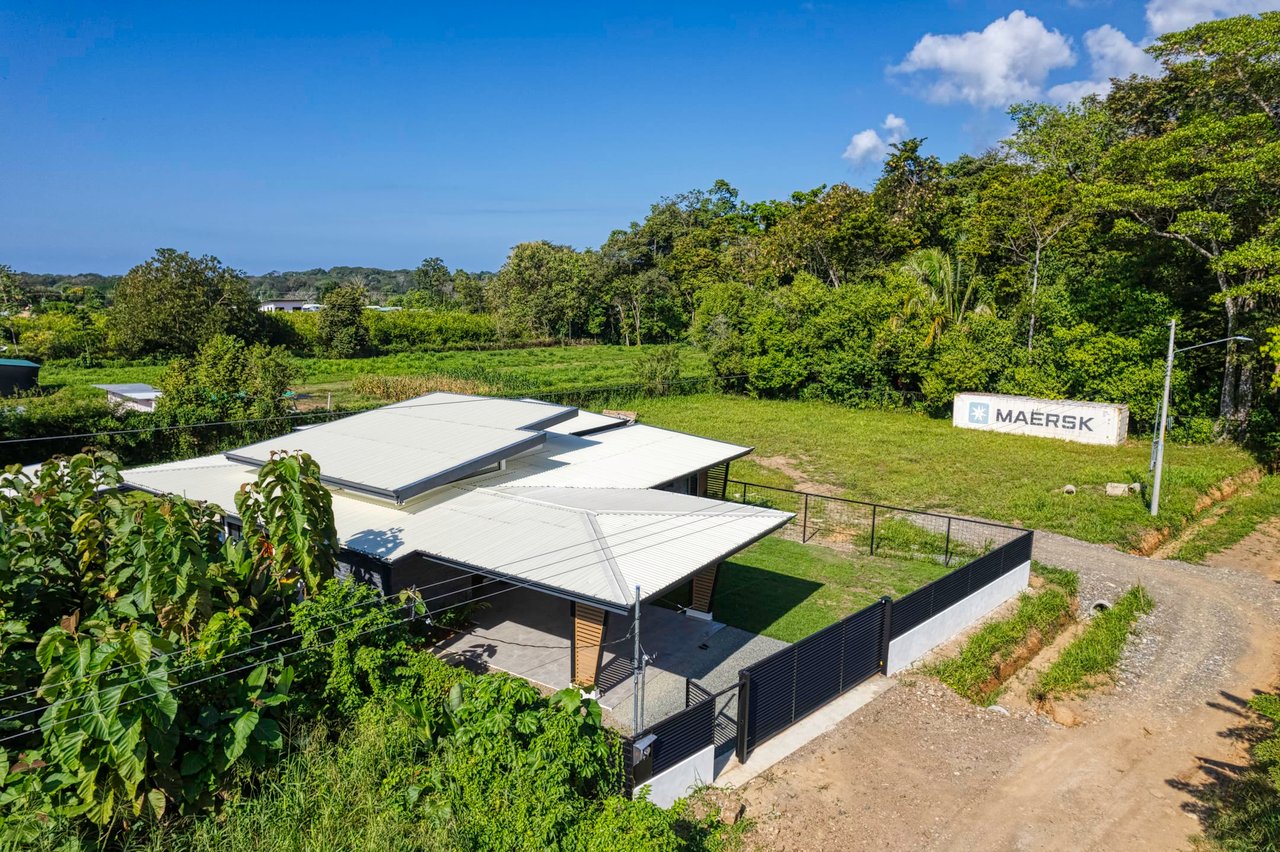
1100,606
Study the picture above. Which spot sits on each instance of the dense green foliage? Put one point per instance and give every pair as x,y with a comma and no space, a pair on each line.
341,331
1091,658
108,598
174,302
141,697
243,386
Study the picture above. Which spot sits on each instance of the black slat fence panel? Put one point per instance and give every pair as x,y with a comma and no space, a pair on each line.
682,735
950,589
771,707
860,657
988,568
717,480
797,680
912,611
818,669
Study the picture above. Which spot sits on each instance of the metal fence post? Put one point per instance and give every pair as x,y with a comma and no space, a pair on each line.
873,530
744,693
946,550
804,525
886,633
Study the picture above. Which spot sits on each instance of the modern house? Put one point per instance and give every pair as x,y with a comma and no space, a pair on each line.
134,397
449,493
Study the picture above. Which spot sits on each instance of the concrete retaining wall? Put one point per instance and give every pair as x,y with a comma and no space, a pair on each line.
678,781
923,638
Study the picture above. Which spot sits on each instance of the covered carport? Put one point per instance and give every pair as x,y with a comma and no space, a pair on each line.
556,594
521,632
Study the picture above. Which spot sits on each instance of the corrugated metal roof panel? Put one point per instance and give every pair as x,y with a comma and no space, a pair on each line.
635,456
482,410
131,387
595,543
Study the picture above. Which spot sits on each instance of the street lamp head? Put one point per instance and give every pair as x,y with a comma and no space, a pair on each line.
1243,339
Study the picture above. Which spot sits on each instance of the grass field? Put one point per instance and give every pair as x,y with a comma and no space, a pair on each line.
531,370
788,590
907,459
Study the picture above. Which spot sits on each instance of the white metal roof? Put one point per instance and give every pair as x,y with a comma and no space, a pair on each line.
402,450
585,422
575,515
595,544
134,390
635,456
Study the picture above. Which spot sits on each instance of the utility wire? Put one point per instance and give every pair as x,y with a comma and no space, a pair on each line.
206,679
515,583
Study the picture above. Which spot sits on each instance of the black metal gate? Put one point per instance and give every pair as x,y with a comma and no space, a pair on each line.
725,703
797,680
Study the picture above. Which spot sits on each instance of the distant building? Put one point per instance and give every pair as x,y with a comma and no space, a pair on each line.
17,375
273,305
135,397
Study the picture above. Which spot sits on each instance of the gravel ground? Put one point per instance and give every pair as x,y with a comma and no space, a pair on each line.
922,768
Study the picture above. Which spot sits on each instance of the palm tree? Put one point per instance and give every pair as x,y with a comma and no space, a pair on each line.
939,295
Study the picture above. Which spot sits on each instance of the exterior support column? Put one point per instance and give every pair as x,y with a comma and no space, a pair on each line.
704,588
586,650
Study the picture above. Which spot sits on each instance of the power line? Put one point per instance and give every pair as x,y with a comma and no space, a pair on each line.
514,585
197,681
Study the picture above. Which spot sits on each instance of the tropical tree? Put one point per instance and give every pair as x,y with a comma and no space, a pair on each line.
940,296
1191,157
433,285
343,331
174,302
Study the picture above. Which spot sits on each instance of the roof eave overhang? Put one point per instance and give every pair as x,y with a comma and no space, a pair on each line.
565,594
722,557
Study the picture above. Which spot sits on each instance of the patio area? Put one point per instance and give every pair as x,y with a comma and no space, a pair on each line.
527,633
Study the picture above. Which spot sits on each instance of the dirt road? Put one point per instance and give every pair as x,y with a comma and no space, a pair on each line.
921,768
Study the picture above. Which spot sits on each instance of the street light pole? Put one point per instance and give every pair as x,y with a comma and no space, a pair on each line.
1157,449
1158,452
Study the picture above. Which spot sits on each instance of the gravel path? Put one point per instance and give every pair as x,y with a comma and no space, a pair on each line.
921,768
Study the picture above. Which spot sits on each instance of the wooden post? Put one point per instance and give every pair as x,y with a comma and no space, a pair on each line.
587,648
704,586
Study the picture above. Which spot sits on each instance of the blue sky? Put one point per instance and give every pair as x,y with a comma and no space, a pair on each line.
290,137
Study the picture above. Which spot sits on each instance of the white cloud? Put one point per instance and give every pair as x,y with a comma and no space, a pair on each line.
1166,16
1111,54
868,145
1006,62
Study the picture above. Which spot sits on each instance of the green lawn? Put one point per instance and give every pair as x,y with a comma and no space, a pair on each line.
789,590
529,370
907,459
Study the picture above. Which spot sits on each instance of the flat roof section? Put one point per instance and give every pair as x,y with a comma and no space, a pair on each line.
402,450
386,455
